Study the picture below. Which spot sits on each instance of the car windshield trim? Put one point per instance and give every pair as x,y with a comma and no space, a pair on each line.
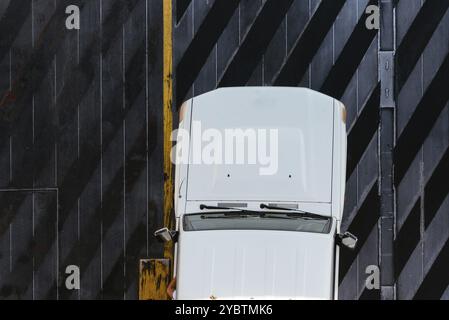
258,214
254,220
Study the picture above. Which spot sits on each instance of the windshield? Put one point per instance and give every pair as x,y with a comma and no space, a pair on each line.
258,221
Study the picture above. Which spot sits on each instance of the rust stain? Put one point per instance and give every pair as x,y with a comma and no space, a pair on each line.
167,82
8,97
154,278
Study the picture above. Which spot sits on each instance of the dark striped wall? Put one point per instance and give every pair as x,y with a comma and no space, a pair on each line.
422,150
396,118
81,146
81,158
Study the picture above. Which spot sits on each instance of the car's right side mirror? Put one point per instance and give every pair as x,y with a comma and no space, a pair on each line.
165,235
348,240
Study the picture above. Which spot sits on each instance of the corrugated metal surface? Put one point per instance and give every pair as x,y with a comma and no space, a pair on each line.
326,46
422,149
81,146
81,130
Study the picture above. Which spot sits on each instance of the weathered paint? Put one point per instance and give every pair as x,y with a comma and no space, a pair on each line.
168,122
154,279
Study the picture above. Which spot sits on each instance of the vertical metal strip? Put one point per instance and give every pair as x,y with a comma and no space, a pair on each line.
386,145
168,120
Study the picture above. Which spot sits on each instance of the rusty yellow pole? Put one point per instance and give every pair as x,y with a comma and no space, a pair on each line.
154,279
168,120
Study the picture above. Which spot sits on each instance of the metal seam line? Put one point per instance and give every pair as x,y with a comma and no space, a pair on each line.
78,154
124,154
56,183
101,145
146,128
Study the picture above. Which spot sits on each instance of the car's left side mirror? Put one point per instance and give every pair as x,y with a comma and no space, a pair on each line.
165,235
348,240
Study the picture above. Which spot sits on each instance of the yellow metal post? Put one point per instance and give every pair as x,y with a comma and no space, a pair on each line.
154,279
168,121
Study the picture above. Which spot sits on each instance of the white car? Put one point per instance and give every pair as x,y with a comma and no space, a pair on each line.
264,226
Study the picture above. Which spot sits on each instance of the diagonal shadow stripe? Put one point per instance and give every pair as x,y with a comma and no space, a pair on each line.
407,238
133,250
349,59
436,189
29,79
77,178
362,225
435,192
81,78
370,295
181,7
43,241
437,278
108,212
33,72
421,122
251,49
82,169
118,15
417,38
12,287
363,130
202,44
305,48
77,80
11,23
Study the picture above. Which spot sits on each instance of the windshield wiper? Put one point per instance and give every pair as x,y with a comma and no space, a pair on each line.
233,211
238,214
303,214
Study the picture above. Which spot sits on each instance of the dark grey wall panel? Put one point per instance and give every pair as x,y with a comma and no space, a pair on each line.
421,150
84,112
81,178
325,45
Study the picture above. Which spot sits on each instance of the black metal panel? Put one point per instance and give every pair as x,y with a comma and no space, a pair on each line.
328,48
81,148
421,150
81,178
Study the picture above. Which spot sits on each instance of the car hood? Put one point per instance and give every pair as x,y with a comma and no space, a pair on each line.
300,166
255,265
